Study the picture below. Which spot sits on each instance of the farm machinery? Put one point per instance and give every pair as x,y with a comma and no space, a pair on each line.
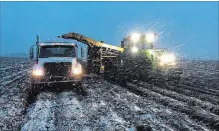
136,59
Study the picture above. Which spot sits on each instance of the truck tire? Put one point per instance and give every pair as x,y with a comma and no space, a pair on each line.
35,88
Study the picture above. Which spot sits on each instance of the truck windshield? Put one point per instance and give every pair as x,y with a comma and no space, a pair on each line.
57,51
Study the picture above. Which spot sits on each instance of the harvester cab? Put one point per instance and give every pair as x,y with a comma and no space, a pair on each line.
148,61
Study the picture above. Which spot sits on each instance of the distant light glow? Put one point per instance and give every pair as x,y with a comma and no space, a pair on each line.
150,37
38,72
167,58
135,37
134,49
161,64
151,52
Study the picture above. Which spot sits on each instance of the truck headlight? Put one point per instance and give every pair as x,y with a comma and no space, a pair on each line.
168,58
77,70
38,72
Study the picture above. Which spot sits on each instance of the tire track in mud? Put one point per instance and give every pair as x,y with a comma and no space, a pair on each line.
40,115
196,87
128,112
195,113
105,106
68,113
98,110
200,90
14,88
14,75
8,71
172,118
15,80
12,106
21,66
82,111
187,99
125,105
203,97
179,89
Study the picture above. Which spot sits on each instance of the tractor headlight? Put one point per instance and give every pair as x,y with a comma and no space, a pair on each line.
135,37
77,70
38,72
150,37
134,49
167,58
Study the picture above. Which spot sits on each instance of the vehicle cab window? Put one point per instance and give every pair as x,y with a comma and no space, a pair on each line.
57,51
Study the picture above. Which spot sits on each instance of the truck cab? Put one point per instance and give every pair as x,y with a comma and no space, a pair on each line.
56,62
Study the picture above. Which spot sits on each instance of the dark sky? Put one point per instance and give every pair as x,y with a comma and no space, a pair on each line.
188,28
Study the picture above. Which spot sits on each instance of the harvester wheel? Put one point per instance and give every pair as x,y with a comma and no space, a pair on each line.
121,77
137,67
107,66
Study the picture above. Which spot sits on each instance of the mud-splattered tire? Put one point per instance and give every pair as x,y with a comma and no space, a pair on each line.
35,88
121,79
110,71
79,84
137,67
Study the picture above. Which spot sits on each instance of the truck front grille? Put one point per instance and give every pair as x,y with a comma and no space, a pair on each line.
57,69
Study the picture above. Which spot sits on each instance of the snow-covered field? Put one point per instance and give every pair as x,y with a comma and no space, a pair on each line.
192,104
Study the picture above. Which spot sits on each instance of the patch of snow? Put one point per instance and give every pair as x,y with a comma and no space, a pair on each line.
40,117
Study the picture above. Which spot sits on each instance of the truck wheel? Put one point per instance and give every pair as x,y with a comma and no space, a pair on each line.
32,93
79,84
80,89
35,88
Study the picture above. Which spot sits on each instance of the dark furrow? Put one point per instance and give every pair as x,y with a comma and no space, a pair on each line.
15,99
13,67
117,104
210,120
12,83
184,86
8,78
204,97
45,118
189,100
202,89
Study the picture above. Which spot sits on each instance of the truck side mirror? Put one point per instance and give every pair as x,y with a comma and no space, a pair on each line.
82,52
31,53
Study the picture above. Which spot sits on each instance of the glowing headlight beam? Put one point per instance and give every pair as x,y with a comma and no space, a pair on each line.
135,37
168,58
150,37
38,72
77,70
151,52
134,49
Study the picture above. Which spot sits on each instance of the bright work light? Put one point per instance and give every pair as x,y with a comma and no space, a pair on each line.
135,37
134,49
150,37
